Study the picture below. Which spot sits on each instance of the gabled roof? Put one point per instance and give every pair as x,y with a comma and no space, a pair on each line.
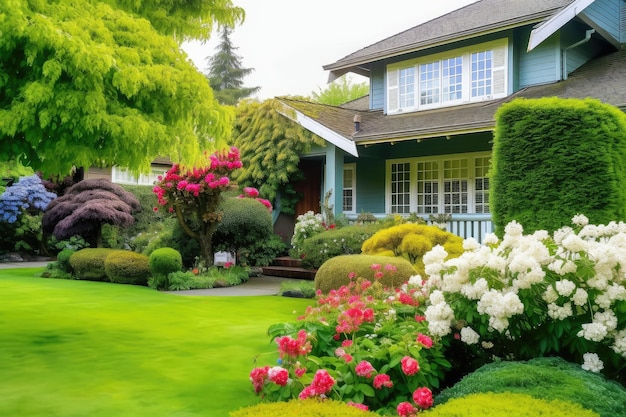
481,17
603,78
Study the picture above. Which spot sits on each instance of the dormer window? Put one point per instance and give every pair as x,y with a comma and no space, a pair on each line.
455,77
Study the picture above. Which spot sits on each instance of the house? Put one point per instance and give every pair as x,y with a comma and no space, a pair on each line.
421,141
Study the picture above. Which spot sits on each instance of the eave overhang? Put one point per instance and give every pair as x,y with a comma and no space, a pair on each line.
556,22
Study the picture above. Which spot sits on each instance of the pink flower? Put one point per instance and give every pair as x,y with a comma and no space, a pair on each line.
307,392
346,343
347,358
365,369
351,275
227,265
299,372
257,377
251,192
266,203
278,375
424,340
358,405
423,397
406,409
378,274
409,365
375,267
391,268
382,380
293,347
322,383
419,318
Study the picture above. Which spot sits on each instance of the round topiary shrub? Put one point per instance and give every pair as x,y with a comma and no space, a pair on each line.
63,260
506,404
247,229
165,260
545,378
88,263
336,271
126,267
412,241
302,408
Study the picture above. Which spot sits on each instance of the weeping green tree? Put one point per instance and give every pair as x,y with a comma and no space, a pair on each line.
270,146
226,73
85,82
554,158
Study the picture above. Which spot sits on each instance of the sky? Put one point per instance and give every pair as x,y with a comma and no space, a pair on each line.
287,42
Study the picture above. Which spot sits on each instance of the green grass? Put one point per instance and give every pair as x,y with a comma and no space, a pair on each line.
80,348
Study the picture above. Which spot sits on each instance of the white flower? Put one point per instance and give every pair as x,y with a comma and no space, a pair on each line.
490,239
565,287
469,336
470,244
550,295
416,280
487,345
593,331
436,297
580,297
560,312
513,229
580,220
574,243
592,363
476,290
607,319
619,346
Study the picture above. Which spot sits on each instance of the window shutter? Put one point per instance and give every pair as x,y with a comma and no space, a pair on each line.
392,91
499,70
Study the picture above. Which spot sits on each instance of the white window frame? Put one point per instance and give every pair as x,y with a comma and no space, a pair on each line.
439,160
350,168
397,92
120,175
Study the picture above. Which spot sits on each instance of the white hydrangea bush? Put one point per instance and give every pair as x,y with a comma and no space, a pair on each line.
307,225
535,295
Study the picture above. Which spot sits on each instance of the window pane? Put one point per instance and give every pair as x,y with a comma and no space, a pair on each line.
452,79
428,188
429,83
407,87
400,188
481,184
482,81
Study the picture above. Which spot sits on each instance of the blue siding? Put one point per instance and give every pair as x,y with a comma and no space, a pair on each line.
573,33
370,185
541,65
606,15
377,87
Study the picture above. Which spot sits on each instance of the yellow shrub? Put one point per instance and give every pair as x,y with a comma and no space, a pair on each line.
302,408
334,272
88,263
507,404
412,241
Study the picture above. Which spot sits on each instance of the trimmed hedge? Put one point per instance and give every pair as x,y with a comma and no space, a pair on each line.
334,273
88,263
165,260
411,241
126,267
347,240
545,378
302,408
506,404
63,260
554,158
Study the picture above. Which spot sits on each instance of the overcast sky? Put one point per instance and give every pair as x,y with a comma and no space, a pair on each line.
286,42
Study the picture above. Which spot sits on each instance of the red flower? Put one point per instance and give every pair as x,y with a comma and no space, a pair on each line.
406,409
423,397
424,340
409,365
278,375
358,405
365,369
382,380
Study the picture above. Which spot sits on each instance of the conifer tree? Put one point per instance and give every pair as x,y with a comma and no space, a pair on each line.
226,74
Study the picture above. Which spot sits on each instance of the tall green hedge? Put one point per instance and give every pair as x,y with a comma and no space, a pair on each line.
554,158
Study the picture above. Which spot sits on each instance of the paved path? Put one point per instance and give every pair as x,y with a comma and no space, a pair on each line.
263,285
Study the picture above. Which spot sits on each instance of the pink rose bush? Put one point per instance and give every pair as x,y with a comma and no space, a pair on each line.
361,344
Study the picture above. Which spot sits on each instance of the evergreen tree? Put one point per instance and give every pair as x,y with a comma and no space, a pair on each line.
226,74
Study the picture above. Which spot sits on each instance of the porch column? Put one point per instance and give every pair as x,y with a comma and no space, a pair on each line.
333,177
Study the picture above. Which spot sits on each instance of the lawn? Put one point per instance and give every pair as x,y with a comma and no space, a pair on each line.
81,348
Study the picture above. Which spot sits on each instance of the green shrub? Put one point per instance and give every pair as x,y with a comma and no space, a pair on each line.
63,260
336,272
545,378
164,261
245,229
88,263
302,408
506,404
412,241
181,281
319,248
554,158
126,267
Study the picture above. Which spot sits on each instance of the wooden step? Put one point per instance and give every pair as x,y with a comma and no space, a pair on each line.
287,267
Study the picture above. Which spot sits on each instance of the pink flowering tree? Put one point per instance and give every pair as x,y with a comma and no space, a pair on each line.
194,195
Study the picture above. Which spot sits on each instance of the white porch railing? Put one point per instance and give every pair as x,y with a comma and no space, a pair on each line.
464,225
